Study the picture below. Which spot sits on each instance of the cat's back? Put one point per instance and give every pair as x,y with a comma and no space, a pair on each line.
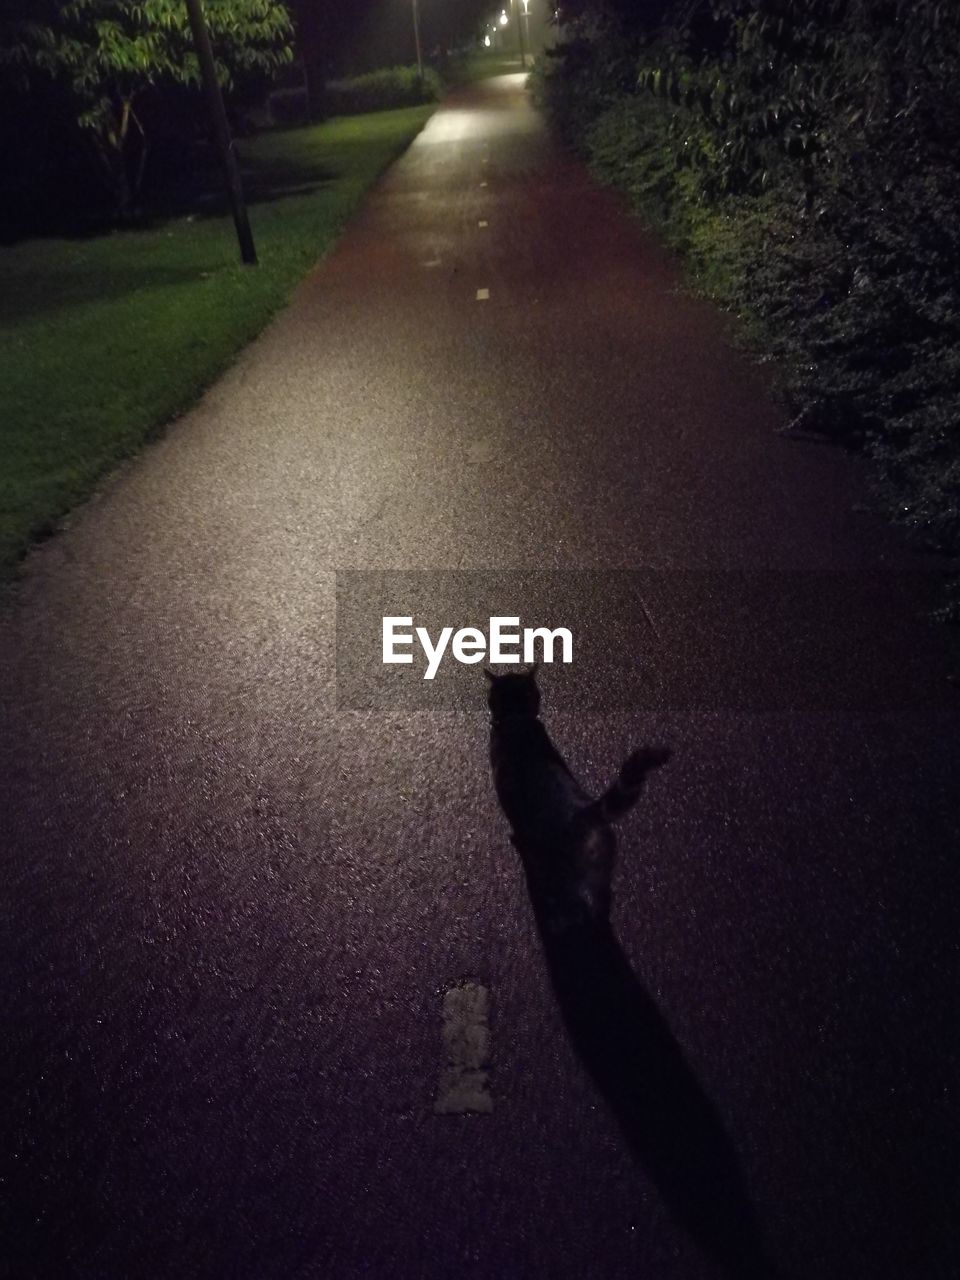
538,793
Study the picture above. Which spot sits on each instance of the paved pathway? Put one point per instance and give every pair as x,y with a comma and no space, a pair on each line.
234,912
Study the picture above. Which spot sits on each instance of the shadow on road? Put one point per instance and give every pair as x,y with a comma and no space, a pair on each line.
568,849
671,1126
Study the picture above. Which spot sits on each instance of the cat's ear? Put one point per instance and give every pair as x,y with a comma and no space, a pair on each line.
489,674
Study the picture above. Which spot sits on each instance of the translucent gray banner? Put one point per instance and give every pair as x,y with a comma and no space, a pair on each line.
750,641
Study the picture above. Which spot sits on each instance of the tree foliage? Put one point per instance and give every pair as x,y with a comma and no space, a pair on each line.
803,154
820,81
108,53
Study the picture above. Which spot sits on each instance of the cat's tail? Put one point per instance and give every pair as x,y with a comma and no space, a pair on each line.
625,792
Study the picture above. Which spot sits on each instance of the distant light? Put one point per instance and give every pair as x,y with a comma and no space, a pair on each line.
486,41
503,18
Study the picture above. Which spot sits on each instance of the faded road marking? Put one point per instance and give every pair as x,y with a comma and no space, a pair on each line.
483,295
483,184
482,223
464,1084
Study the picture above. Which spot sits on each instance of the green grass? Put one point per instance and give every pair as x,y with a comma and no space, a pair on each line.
103,340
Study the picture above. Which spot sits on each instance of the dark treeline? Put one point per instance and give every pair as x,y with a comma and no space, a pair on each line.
101,115
802,154
341,38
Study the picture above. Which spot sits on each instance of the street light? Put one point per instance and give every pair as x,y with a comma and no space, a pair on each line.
416,38
523,51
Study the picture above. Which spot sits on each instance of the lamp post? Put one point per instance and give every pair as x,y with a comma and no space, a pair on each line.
523,51
416,38
525,20
221,132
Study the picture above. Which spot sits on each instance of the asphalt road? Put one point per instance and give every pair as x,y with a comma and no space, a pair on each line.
234,903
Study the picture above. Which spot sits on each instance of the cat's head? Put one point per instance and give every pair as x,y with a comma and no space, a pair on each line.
514,694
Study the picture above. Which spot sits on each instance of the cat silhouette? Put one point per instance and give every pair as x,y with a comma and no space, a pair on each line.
563,834
568,848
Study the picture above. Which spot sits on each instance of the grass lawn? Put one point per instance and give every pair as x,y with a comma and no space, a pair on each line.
103,340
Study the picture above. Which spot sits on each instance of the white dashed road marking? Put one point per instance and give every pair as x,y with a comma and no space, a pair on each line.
482,222
483,295
464,1084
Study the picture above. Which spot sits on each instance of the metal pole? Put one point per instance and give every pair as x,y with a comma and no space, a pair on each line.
416,37
523,52
221,132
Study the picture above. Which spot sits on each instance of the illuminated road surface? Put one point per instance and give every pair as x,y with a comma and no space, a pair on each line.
235,917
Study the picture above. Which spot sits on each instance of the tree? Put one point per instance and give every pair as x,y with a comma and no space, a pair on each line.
109,53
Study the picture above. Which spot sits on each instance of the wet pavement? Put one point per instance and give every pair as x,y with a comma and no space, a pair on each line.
235,905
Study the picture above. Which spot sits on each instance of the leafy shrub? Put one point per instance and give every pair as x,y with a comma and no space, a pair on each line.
381,90
798,153
576,81
108,57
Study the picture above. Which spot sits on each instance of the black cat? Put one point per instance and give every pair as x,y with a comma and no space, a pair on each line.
563,835
568,848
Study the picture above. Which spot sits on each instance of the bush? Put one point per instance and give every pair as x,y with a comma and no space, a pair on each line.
807,175
381,90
